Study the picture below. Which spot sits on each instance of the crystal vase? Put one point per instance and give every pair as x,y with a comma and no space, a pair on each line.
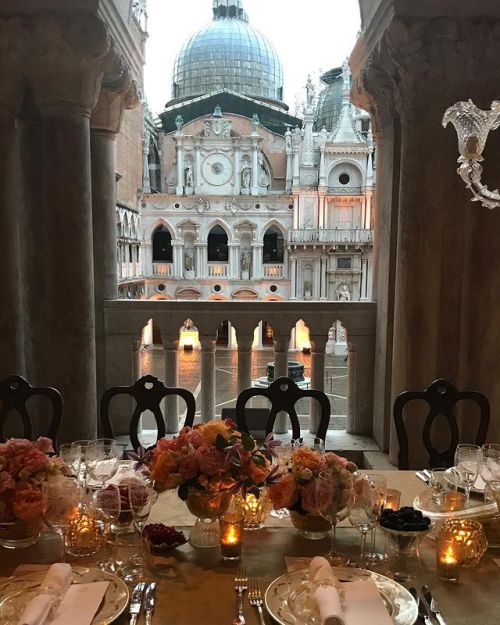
313,527
207,506
20,534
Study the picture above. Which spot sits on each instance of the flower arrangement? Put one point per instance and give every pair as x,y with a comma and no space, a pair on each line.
24,466
299,490
211,457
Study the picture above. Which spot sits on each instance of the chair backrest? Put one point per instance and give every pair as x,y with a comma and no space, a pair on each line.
283,394
441,397
148,393
15,391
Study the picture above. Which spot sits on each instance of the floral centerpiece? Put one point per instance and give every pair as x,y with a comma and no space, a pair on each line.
24,467
207,464
315,487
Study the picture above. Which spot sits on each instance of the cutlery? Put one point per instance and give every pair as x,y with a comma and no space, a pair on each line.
426,591
136,602
255,599
427,474
149,603
414,593
240,585
424,610
421,476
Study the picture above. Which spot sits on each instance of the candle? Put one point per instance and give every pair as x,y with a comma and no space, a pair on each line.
392,499
447,559
231,526
84,536
469,536
453,501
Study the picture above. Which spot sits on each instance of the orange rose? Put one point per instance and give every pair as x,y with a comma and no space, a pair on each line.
163,466
27,503
259,473
209,431
284,493
308,459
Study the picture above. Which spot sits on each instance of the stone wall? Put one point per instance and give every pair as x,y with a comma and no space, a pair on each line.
129,159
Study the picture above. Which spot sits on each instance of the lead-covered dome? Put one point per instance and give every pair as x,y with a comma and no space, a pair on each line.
228,54
330,100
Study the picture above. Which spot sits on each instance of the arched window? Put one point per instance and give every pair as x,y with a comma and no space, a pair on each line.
162,245
217,245
274,246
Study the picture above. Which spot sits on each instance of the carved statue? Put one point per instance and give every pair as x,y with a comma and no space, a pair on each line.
179,122
288,139
188,176
307,286
255,122
245,260
296,136
246,176
344,294
189,260
310,90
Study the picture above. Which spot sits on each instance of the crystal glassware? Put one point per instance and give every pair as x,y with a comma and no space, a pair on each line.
140,498
378,484
283,453
72,458
361,513
107,502
468,460
102,459
490,467
61,498
80,448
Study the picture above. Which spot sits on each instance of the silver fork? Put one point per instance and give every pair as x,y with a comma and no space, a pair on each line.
255,599
240,585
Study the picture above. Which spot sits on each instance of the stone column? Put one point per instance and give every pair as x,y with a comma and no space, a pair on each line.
13,40
171,346
177,246
257,261
322,167
201,259
281,345
244,361
316,278
318,346
179,190
360,359
293,292
146,177
197,166
66,67
296,167
234,261
255,167
289,164
324,278
117,94
237,168
207,394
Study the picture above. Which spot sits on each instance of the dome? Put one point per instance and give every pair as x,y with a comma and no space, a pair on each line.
228,54
330,100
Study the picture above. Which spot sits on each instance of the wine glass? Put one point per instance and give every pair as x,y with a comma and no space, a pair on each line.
71,457
490,467
107,501
140,498
80,448
361,513
378,484
468,460
312,442
102,459
61,498
333,511
283,453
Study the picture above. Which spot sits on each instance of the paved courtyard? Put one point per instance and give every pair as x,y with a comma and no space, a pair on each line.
226,378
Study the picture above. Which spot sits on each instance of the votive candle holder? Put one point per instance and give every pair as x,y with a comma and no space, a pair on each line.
392,499
231,534
448,559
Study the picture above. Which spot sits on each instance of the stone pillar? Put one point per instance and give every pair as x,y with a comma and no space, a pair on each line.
171,346
255,167
293,291
178,267
146,177
117,94
237,168
316,278
179,189
244,361
207,394
281,345
197,166
257,336
318,346
289,166
296,167
66,67
360,359
322,167
201,259
324,278
234,261
13,40
257,261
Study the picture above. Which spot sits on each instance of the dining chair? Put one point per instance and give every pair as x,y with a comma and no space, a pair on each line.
148,393
283,394
15,392
441,396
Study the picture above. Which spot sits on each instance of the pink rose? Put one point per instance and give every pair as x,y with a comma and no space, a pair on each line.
284,492
317,496
210,460
188,467
195,439
34,461
44,444
17,446
6,482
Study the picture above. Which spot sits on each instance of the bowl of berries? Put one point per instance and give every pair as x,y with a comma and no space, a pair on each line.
404,530
163,538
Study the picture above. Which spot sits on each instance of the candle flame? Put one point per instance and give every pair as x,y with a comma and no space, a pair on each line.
231,537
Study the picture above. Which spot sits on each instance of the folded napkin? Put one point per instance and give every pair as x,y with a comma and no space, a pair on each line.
327,594
80,604
54,585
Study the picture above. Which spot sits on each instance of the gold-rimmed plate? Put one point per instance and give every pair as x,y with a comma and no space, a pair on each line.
17,591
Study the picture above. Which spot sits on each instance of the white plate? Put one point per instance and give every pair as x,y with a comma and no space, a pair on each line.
288,598
17,591
453,478
425,504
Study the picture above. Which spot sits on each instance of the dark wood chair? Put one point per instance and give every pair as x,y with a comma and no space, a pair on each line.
148,393
441,396
283,394
15,391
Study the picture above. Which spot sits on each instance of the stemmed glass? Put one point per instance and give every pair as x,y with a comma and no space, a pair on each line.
490,467
102,459
361,513
140,498
326,485
378,485
61,498
283,453
312,442
468,460
80,448
107,501
71,457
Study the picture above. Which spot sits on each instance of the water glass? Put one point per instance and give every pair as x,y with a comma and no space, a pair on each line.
283,452
490,467
140,499
80,448
107,502
468,460
378,485
442,481
72,458
102,459
61,498
361,514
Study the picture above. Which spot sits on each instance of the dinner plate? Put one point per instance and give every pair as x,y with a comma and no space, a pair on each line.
289,600
17,591
476,508
452,476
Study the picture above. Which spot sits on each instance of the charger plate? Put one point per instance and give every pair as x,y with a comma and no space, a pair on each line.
289,601
453,477
476,508
17,591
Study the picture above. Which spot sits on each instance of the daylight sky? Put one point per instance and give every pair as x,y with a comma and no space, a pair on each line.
309,36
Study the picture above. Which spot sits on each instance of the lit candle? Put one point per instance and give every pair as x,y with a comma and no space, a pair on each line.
448,559
230,536
392,499
453,501
84,536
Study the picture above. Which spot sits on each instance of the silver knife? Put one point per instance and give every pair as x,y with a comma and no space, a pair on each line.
424,610
422,477
426,591
136,602
149,602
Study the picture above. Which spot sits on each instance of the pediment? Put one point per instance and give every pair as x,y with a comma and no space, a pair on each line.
188,293
245,294
187,224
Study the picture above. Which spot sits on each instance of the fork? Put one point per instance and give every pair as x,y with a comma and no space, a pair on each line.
434,606
240,585
255,599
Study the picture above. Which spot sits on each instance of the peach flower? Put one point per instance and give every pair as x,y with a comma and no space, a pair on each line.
210,460
308,459
162,466
27,503
188,467
209,431
284,492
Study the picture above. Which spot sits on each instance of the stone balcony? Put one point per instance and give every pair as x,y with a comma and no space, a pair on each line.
125,319
312,236
163,269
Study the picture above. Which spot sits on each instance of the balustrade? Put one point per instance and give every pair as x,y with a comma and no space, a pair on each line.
218,270
162,269
124,320
333,235
274,271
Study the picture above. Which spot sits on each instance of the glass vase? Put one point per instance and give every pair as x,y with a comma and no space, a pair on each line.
310,526
207,506
20,534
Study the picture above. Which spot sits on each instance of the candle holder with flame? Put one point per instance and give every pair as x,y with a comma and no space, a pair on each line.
231,533
392,499
256,507
448,558
469,536
85,533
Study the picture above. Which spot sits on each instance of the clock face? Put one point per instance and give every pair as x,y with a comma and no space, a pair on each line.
217,169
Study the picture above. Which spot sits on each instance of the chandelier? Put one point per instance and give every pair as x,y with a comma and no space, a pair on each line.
473,126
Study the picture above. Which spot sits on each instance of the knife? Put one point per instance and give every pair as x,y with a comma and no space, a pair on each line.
149,602
422,477
426,592
414,593
424,610
136,602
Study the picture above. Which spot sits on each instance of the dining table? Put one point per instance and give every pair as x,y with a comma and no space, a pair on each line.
198,586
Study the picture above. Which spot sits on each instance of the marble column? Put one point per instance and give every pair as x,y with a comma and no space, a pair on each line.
318,346
117,94
177,247
179,190
201,260
360,362
322,167
237,168
244,361
289,163
281,345
171,346
13,41
324,278
257,260
296,167
146,178
316,278
255,168
293,293
207,393
234,261
197,166
66,68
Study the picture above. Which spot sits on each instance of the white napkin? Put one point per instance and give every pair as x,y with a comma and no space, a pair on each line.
327,596
55,584
80,604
